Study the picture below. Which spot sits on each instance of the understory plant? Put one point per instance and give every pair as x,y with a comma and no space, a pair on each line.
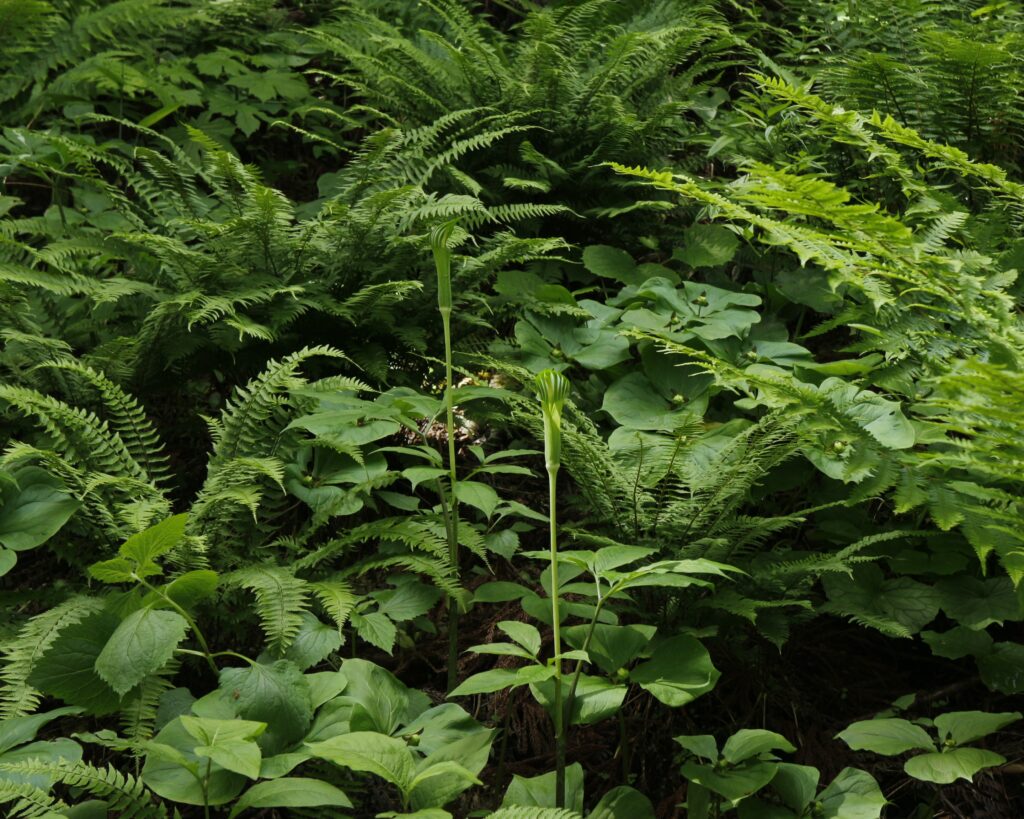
439,238
552,390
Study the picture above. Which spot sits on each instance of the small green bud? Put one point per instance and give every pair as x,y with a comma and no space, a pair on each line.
701,300
678,399
752,355
622,675
839,446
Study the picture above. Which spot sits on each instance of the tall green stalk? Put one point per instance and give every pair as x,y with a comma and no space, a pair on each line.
552,390
439,238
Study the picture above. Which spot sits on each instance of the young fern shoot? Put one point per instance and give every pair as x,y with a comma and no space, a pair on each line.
439,239
552,390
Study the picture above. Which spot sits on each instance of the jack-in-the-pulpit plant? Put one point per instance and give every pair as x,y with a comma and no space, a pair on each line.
440,237
552,390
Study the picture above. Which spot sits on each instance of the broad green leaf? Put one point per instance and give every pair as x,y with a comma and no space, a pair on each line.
234,755
523,633
611,647
881,418
634,402
500,591
446,731
376,628
438,783
274,767
976,603
698,801
368,751
611,263
409,600
751,742
228,742
733,784
596,698
853,794
796,785
673,374
701,745
679,671
539,791
188,589
34,511
383,701
346,428
88,809
141,645
68,667
809,285
479,495
419,474
623,802
155,541
899,606
503,542
958,642
1002,669
504,650
173,774
19,730
211,731
614,557
291,792
277,694
707,246
889,737
314,642
487,682
600,348
946,768
966,726
116,570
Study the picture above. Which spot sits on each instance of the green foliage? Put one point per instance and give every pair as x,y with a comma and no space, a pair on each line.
571,88
759,262
953,760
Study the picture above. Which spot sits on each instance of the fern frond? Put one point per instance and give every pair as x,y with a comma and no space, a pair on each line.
26,801
138,712
240,429
124,795
126,417
17,697
281,599
337,598
80,436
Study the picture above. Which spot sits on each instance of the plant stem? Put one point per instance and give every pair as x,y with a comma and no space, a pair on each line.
556,626
579,663
624,747
453,517
191,623
206,788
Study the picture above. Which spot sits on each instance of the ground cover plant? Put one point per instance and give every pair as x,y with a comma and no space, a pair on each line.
583,408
